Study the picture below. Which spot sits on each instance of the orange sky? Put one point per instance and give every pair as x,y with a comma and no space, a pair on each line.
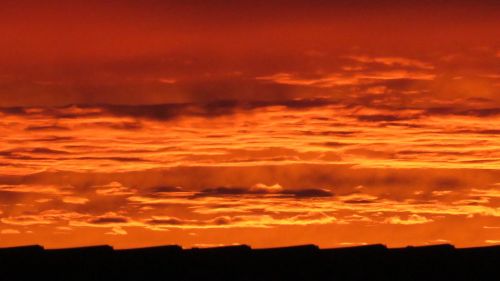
136,123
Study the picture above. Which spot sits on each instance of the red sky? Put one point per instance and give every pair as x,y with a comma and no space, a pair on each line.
269,123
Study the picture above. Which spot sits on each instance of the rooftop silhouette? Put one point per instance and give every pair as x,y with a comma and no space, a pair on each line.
241,262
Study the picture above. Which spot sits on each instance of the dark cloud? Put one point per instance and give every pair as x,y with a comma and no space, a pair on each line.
139,63
341,133
165,188
53,139
480,132
114,158
211,109
157,111
479,112
235,191
108,220
18,110
44,150
333,144
372,153
24,153
218,191
125,126
47,128
173,221
309,193
166,221
383,118
359,201
11,197
341,178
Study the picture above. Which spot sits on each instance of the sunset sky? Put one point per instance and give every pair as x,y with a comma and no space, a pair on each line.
267,123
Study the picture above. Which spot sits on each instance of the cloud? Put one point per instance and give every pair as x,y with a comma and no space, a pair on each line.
392,61
165,188
75,200
109,218
36,189
45,217
24,153
367,125
249,221
47,128
261,189
412,219
384,118
222,191
489,193
27,220
177,135
359,198
348,79
9,231
168,111
309,193
113,189
208,109
479,112
165,220
117,230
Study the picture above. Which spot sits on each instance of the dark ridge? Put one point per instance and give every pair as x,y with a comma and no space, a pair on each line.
242,263
234,249
168,249
299,249
365,249
100,249
28,249
440,248
485,249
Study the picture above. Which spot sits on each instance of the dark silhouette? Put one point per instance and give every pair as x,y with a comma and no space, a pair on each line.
307,262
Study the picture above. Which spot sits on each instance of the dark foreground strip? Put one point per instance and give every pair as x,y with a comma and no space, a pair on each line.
234,263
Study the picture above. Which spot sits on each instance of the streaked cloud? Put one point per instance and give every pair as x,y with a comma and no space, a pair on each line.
197,124
75,200
412,219
9,231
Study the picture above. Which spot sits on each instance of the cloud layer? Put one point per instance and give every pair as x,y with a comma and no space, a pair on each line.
329,123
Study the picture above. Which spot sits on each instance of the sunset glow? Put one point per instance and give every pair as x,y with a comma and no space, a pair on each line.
136,123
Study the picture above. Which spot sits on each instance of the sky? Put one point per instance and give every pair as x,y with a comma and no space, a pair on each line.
267,123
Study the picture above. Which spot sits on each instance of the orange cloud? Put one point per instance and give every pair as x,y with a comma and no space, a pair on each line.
153,123
9,231
75,200
412,219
